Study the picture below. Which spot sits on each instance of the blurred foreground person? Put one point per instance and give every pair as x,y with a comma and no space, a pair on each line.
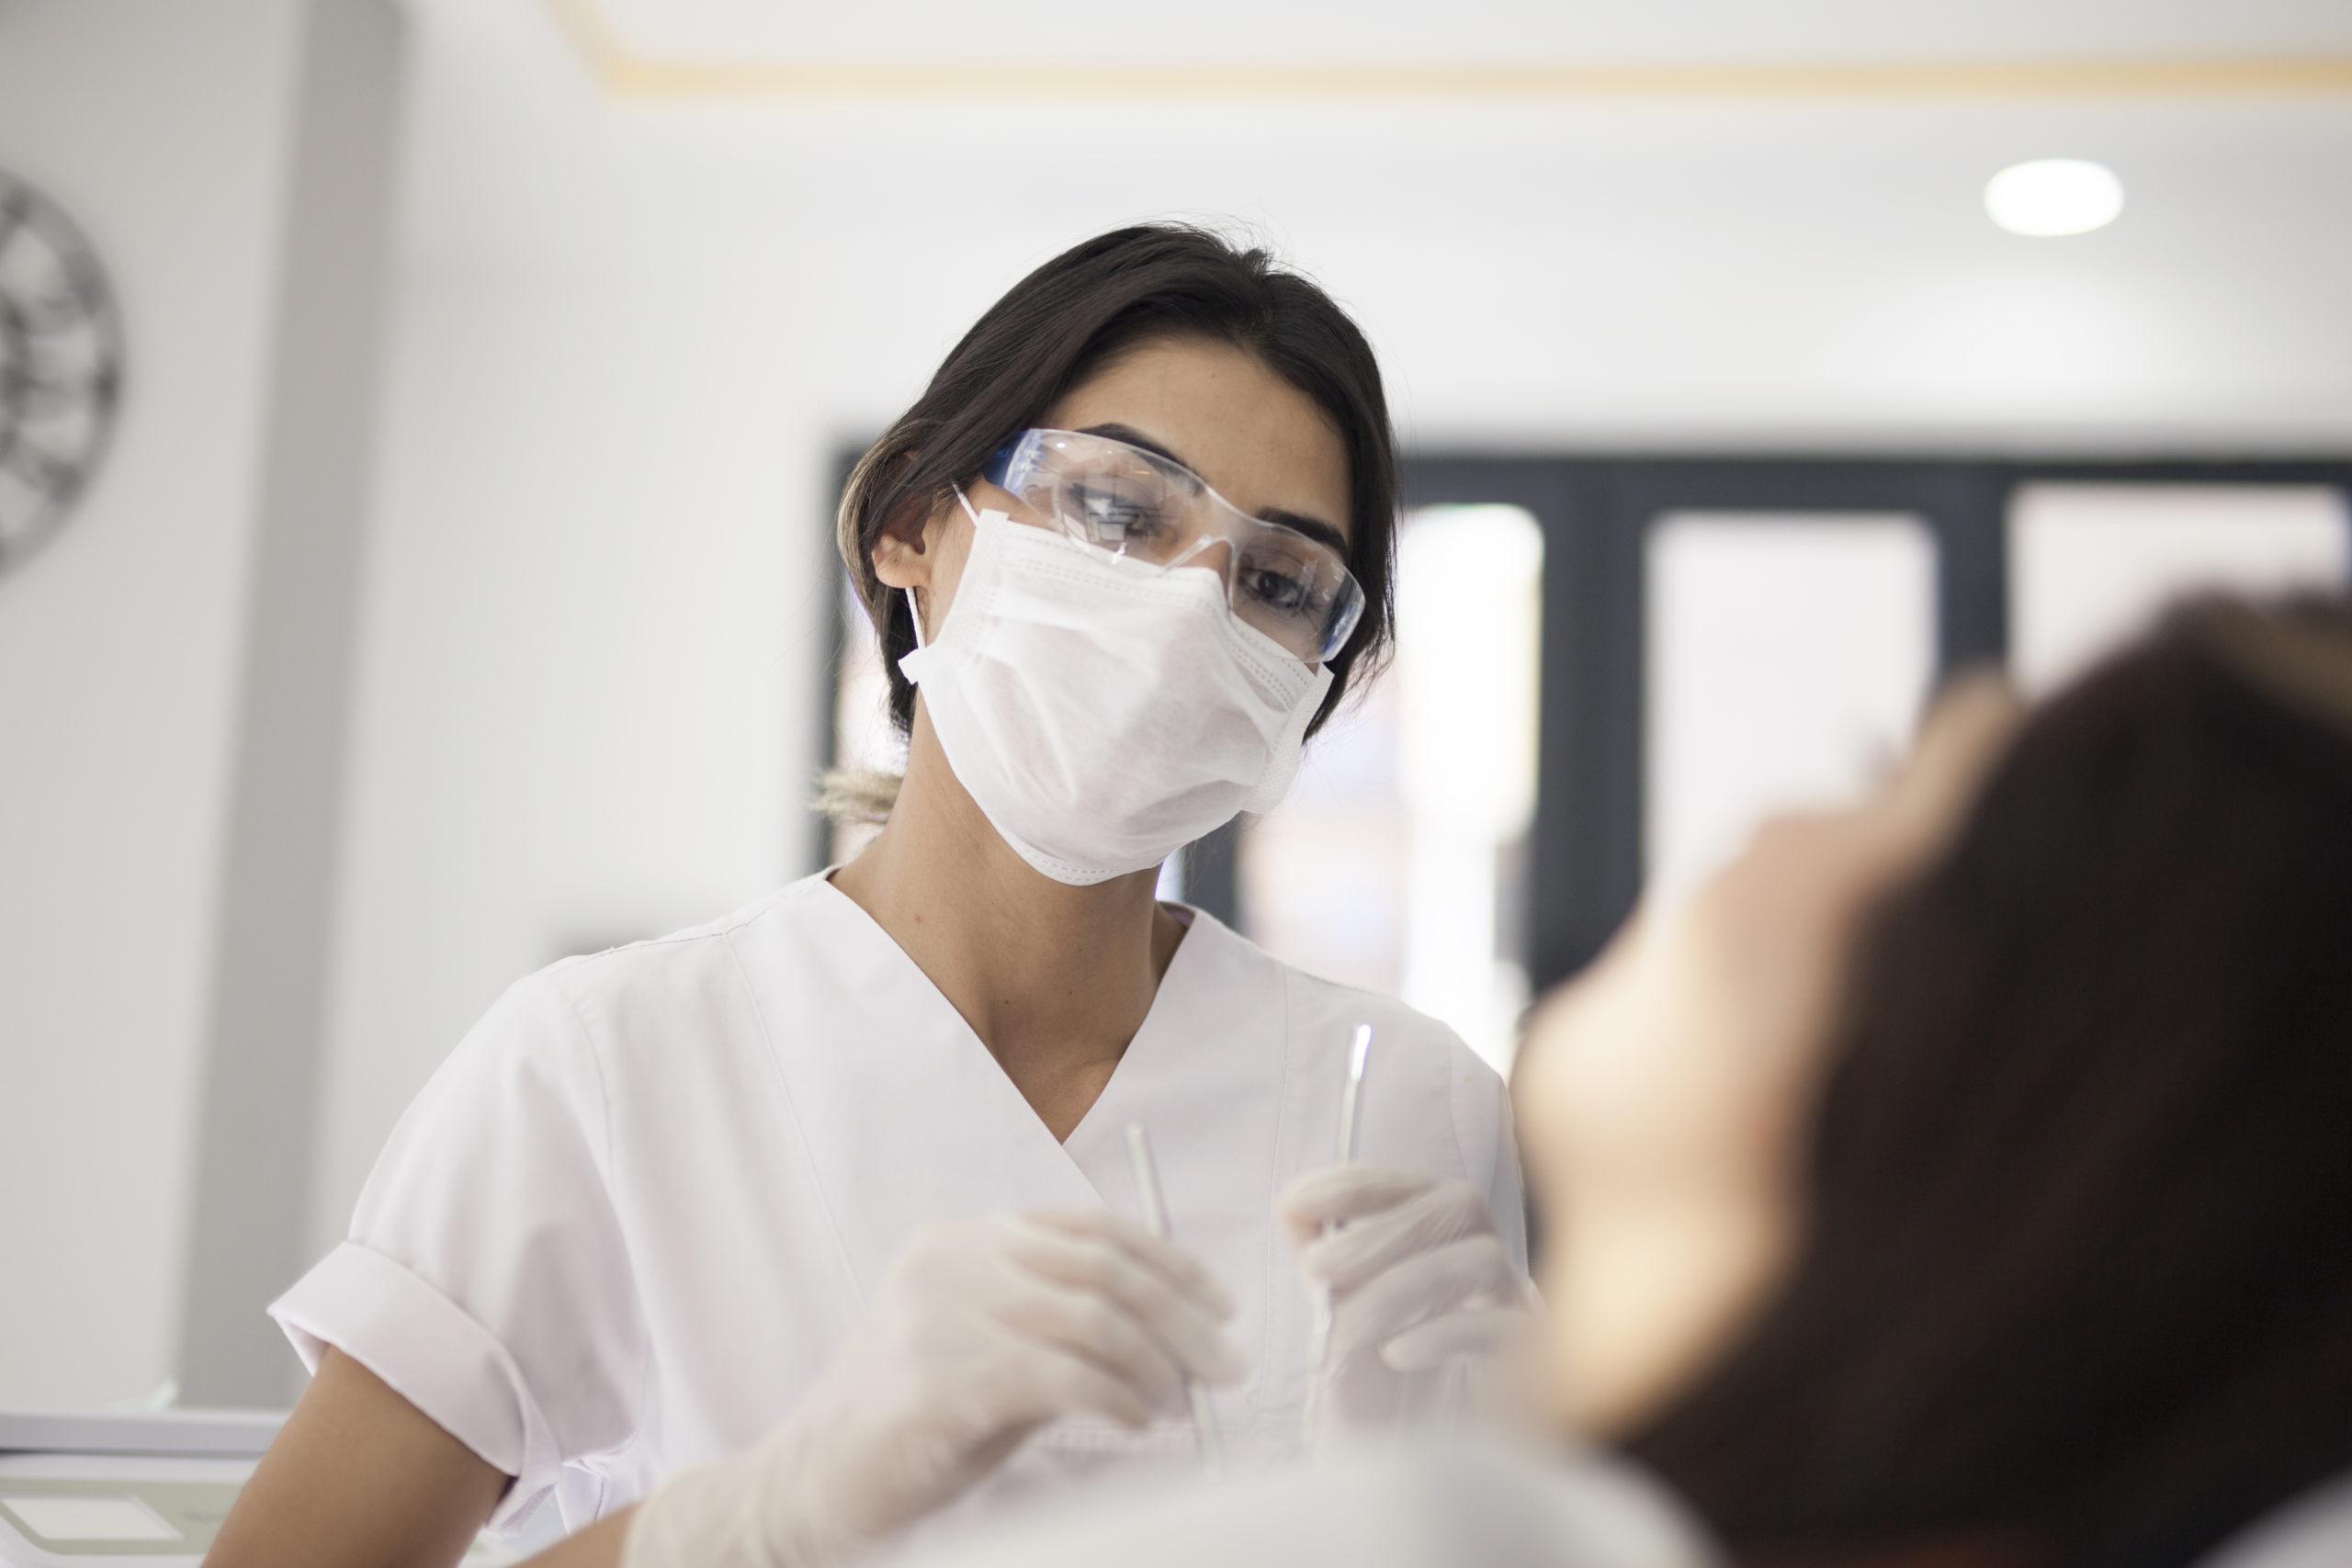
2056,1266
1964,1180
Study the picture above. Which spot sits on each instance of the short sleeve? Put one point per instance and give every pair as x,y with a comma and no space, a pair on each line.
486,1279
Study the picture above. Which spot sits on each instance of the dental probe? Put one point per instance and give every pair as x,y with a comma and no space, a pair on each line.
1319,1343
1154,1219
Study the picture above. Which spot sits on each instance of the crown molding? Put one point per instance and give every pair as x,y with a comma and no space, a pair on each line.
623,74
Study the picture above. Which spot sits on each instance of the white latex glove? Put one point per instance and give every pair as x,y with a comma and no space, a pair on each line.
985,1331
1428,1310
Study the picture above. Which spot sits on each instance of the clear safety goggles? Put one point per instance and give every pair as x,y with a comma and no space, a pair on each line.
1136,503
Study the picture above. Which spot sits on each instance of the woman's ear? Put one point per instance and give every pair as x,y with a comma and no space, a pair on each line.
901,550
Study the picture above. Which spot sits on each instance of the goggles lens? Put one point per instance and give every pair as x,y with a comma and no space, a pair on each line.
1295,589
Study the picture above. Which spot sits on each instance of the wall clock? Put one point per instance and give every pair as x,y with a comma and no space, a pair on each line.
60,368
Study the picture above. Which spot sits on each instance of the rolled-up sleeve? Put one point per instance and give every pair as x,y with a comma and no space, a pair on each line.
486,1278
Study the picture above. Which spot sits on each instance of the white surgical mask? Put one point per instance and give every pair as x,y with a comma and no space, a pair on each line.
1102,712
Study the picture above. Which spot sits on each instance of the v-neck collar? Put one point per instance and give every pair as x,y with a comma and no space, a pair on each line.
909,1117
1146,1039
1105,1117
909,1122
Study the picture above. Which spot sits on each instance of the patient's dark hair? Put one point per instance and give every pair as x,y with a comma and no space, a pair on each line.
2077,1283
1073,316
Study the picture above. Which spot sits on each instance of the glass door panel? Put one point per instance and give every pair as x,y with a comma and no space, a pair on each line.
2090,565
1787,655
1396,865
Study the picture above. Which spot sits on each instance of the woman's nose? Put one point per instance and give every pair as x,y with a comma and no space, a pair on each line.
1215,554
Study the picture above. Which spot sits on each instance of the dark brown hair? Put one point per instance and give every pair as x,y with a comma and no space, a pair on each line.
1071,317
2078,1281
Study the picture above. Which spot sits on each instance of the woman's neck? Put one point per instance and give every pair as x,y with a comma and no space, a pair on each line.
1054,979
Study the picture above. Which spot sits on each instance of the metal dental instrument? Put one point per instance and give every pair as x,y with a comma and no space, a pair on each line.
1154,1219
1319,1343
1349,1096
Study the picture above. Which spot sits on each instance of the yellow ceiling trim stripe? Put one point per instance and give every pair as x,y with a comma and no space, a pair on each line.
625,74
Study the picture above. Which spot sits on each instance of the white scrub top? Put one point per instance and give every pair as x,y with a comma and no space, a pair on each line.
634,1215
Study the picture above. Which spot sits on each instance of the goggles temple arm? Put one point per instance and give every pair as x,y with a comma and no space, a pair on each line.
1008,467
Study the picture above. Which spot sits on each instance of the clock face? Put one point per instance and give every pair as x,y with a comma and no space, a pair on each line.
61,368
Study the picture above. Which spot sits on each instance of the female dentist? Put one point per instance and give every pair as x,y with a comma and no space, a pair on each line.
806,1225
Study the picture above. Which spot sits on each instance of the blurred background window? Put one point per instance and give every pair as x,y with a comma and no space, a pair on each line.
1786,656
1398,862
2090,563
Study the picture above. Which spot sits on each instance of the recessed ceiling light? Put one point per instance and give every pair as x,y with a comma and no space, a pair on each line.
2054,195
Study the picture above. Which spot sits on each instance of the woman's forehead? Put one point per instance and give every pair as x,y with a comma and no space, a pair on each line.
1221,411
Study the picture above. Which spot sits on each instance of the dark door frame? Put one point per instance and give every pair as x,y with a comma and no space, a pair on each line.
1596,511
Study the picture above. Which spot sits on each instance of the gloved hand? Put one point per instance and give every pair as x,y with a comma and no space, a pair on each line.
1427,1308
985,1331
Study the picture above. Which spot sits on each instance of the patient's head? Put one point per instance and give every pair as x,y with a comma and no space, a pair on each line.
2030,1224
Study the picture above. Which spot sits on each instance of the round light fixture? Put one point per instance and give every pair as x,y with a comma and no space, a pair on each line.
2054,195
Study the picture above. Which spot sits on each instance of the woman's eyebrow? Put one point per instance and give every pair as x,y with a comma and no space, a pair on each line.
1134,437
1315,529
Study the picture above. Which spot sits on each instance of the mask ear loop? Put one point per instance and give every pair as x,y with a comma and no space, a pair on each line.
914,610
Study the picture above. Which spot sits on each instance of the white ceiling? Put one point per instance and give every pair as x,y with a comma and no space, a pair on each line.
1782,271
1341,32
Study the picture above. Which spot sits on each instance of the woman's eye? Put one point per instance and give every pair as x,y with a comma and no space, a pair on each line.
1286,592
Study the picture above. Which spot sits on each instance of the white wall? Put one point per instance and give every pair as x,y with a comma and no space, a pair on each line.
591,605
281,836
162,127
